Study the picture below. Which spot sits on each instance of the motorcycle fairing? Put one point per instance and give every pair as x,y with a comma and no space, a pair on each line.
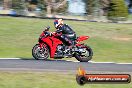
82,38
52,42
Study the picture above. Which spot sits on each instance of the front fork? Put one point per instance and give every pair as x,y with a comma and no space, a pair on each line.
42,45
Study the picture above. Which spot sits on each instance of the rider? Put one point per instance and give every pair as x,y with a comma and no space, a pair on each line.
67,34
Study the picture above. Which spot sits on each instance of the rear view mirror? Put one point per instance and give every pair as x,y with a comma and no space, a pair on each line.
47,28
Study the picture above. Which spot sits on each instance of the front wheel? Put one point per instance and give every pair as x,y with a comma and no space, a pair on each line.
86,55
40,53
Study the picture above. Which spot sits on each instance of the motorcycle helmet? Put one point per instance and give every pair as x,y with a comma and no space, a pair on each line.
57,23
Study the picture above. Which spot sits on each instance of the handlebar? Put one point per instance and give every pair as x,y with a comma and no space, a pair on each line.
54,34
47,28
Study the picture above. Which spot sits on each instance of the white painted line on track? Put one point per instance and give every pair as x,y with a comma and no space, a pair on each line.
102,62
110,62
10,58
123,63
72,61
91,61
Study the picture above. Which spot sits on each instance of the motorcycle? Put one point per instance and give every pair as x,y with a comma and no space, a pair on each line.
49,44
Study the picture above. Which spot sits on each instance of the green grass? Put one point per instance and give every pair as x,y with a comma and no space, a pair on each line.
109,41
130,17
47,80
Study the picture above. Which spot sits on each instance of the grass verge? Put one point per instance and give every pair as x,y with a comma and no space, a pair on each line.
47,80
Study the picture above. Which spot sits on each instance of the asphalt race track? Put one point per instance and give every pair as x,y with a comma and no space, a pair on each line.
61,65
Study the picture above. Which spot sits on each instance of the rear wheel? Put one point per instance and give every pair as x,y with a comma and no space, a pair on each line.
40,53
86,56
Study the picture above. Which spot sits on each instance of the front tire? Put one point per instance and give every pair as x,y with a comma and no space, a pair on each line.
40,53
86,57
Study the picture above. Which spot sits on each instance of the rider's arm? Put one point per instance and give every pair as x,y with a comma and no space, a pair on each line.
59,30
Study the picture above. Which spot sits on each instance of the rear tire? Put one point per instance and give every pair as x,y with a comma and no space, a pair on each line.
86,58
40,53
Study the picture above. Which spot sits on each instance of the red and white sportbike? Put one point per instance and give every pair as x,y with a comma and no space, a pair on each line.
50,45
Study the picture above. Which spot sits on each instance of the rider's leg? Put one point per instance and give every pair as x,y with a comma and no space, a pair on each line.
66,40
72,38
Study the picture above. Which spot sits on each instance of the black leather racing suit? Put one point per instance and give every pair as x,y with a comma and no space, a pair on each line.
68,35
